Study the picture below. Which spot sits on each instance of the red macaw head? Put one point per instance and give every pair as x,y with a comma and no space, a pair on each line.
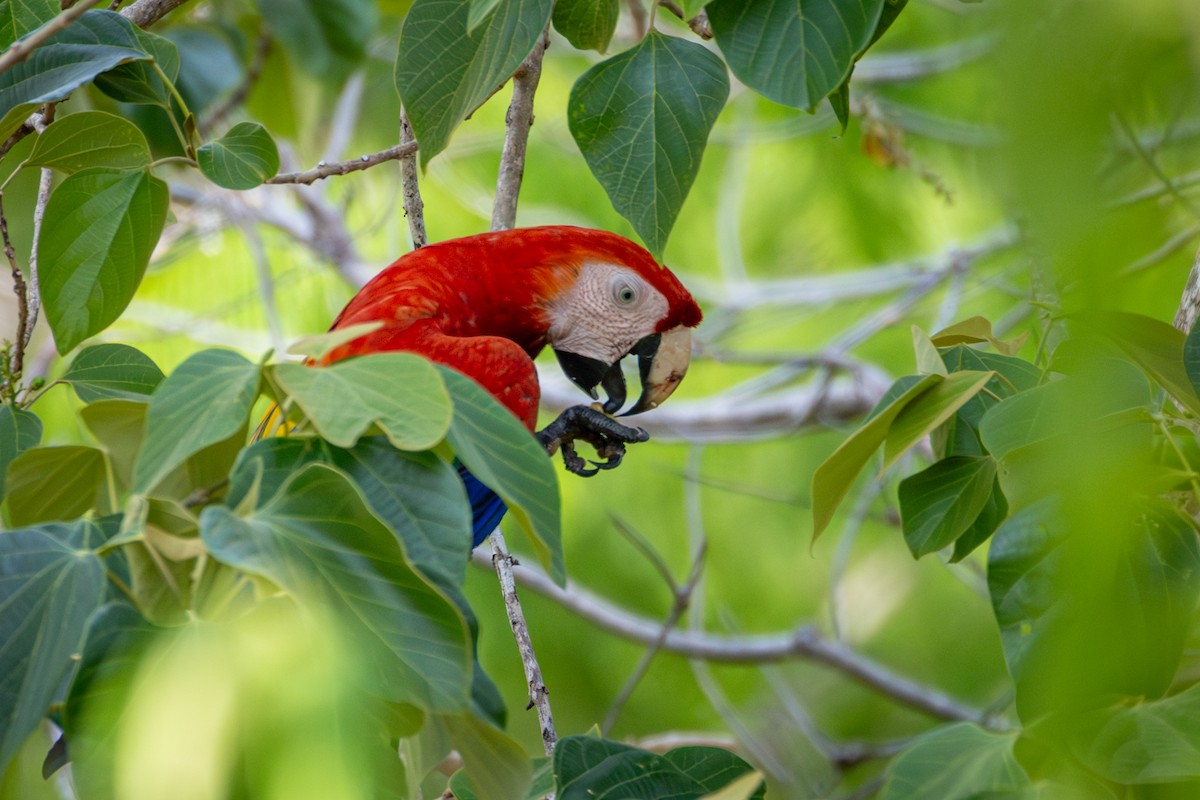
613,301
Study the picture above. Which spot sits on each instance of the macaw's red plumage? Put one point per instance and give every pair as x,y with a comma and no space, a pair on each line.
486,305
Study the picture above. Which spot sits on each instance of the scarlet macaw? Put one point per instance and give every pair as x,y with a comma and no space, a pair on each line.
486,305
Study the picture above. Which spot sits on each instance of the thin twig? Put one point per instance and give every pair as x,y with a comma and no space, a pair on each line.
22,48
33,294
414,206
21,291
539,695
518,121
324,170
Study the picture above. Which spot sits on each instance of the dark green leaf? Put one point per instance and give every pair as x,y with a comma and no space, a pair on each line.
993,513
20,430
400,392
318,541
1149,743
1191,357
49,586
94,43
839,101
53,483
21,17
90,139
322,37
641,120
939,504
113,372
105,225
955,762
443,74
241,159
794,53
139,81
498,450
587,24
836,474
206,400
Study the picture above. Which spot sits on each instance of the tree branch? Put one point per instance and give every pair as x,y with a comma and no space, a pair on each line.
699,23
518,121
21,49
147,12
414,206
324,170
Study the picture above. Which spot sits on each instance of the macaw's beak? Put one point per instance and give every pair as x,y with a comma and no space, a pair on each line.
663,360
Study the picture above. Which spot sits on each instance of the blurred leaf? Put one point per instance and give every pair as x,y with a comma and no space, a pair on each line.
322,37
1191,357
53,483
1155,346
499,451
839,98
994,511
139,82
929,360
112,372
836,474
119,425
210,67
641,120
1153,742
320,345
21,17
20,430
976,330
587,24
955,762
318,540
94,43
940,503
925,413
49,587
495,764
206,400
243,158
743,788
443,74
106,224
90,139
400,392
793,53
541,786
586,767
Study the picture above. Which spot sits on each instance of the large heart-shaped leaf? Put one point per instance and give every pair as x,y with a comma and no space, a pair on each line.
241,159
105,225
112,372
318,540
641,120
53,483
443,72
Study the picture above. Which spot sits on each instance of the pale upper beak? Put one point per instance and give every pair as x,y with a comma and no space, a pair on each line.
663,360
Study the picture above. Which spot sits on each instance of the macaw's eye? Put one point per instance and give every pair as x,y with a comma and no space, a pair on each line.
624,294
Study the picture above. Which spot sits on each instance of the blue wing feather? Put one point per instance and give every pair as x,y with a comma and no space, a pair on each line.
487,509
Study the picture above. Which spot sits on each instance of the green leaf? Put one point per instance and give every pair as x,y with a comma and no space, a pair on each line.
49,586
586,767
959,436
641,120
1156,347
496,765
498,450
21,17
400,392
587,24
243,158
477,10
692,7
1153,742
994,511
920,417
53,483
836,474
939,504
318,541
794,53
105,225
139,82
92,44
975,330
20,430
443,74
119,425
205,401
322,37
955,762
112,372
839,101
90,139
210,68
542,782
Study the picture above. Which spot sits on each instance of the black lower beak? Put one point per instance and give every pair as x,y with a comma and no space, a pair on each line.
584,372
662,362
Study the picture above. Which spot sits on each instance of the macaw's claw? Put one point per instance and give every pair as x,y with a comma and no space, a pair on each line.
588,424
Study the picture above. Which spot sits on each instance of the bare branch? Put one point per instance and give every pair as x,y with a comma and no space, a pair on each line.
21,291
1189,303
21,49
539,696
518,121
699,23
806,643
324,170
414,206
637,13
147,12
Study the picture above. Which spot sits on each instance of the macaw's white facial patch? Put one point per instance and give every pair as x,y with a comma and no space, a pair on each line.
605,313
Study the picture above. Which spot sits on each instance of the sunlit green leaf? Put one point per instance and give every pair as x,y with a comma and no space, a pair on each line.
794,53
318,540
955,762
836,474
919,418
939,504
20,430
241,159
641,120
206,400
112,371
587,24
53,483
90,139
400,392
443,74
49,586
105,225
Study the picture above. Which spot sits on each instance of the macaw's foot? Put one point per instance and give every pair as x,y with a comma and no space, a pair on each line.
591,425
